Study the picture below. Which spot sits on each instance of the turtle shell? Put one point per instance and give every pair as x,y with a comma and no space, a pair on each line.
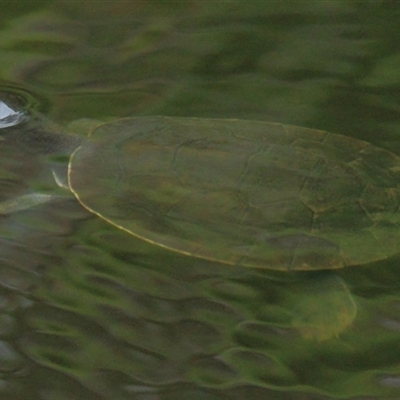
248,193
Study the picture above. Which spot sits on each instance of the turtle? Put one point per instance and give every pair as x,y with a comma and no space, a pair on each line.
253,194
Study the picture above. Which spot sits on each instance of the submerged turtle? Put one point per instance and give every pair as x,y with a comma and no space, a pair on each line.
247,193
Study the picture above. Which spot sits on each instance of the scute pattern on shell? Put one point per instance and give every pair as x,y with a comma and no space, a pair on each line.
249,193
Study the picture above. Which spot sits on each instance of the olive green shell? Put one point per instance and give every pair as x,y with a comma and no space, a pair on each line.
248,193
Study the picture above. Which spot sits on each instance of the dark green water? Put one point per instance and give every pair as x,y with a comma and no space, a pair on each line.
88,312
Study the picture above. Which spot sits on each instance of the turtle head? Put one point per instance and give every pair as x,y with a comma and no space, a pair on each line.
37,135
34,135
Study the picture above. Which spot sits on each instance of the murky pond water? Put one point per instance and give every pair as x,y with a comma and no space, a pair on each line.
88,311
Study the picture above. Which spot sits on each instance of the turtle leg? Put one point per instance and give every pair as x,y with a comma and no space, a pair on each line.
326,307
24,202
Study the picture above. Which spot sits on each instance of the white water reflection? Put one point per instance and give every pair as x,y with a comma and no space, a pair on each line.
10,117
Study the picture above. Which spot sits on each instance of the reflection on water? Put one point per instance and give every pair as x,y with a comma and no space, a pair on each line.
87,311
